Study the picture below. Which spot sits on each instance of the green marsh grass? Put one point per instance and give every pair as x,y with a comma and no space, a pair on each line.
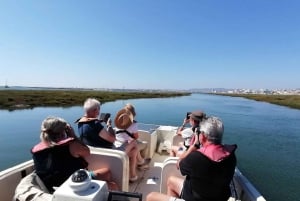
292,101
20,99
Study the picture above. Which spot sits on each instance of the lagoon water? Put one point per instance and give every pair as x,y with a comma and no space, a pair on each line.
267,135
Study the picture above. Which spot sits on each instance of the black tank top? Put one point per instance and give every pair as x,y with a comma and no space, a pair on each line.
55,164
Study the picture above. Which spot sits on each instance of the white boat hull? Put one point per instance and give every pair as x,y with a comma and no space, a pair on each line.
154,179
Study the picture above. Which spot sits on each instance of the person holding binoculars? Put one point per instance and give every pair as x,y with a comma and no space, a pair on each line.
193,118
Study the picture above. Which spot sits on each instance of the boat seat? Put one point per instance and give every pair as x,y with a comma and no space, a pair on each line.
168,169
117,161
151,139
176,140
164,146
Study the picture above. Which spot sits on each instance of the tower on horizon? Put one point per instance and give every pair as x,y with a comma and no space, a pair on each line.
6,86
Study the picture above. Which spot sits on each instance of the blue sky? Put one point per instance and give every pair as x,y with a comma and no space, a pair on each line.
150,44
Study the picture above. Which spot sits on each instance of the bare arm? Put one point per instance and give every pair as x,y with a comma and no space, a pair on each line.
77,149
181,128
107,136
191,148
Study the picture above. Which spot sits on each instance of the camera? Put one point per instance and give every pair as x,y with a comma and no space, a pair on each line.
188,115
104,117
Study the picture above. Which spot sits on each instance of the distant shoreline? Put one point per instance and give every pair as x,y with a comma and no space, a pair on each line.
27,99
291,101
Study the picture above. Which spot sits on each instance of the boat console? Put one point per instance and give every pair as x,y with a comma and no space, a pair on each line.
81,187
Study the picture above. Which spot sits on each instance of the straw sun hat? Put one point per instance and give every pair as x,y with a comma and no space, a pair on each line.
123,119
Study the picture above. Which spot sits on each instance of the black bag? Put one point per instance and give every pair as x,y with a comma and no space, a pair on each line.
124,196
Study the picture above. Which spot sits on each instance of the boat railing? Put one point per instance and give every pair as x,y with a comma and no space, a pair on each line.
10,177
244,188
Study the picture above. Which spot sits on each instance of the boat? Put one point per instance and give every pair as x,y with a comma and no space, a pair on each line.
159,138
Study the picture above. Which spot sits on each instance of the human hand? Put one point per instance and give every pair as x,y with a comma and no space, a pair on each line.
185,121
108,123
70,131
135,135
132,142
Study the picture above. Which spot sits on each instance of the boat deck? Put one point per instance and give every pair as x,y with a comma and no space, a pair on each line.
149,179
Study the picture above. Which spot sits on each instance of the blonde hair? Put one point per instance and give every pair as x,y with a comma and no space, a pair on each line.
53,130
131,108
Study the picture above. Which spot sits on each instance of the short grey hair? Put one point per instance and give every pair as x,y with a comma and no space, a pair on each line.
91,104
213,129
53,130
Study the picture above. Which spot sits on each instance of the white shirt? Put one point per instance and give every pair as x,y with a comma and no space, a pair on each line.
123,137
187,134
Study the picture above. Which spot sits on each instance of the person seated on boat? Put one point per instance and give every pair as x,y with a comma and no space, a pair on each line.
127,134
193,118
90,128
142,145
60,153
93,133
208,169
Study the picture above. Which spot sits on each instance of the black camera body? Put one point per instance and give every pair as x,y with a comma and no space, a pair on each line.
104,117
188,115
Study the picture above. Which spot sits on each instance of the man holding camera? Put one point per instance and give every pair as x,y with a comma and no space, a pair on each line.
193,118
208,169
90,127
93,133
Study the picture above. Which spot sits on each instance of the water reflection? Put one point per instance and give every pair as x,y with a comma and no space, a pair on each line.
267,135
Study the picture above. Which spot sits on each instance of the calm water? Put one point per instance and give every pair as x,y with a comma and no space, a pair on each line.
267,135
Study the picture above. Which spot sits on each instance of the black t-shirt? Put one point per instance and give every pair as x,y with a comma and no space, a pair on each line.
206,180
89,134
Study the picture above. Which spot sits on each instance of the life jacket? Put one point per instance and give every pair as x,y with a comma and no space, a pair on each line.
55,164
89,133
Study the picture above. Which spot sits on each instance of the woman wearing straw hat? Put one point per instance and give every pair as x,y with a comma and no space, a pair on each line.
129,133
94,134
125,140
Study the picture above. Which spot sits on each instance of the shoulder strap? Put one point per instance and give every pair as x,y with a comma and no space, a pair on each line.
127,132
85,119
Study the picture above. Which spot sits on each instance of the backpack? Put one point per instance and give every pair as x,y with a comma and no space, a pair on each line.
31,188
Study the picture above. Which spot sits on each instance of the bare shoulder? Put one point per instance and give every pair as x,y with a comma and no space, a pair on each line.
76,144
